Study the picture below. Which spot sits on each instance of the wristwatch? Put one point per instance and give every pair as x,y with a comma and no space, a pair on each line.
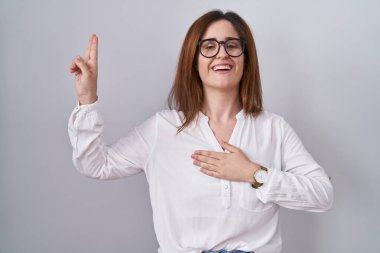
260,176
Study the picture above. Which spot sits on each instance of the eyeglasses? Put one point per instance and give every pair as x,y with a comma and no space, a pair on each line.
210,47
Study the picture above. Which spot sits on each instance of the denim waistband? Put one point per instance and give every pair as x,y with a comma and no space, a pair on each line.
226,251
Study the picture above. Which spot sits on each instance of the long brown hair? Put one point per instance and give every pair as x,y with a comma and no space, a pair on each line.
187,95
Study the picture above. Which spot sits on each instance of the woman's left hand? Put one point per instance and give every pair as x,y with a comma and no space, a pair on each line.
234,166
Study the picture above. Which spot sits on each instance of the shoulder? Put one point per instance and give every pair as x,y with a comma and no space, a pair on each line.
272,125
270,122
164,119
170,116
268,117
275,122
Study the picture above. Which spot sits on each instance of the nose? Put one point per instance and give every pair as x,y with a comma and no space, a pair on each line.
222,51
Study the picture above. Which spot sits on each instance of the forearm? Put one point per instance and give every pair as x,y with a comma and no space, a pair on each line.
312,192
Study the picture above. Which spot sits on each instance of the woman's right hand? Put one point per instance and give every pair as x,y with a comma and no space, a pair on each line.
86,73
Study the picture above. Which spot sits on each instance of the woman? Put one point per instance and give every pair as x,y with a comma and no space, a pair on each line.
218,165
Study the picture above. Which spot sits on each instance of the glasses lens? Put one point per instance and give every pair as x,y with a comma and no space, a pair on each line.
209,48
234,47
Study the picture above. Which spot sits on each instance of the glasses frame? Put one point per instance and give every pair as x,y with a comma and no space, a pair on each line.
242,42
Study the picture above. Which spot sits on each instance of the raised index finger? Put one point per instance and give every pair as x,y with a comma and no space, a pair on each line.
87,56
94,48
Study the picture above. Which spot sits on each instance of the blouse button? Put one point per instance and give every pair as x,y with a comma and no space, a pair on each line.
226,186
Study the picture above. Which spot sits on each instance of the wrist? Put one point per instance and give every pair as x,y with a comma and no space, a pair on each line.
251,171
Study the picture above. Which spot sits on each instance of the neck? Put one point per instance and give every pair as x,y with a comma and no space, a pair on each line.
221,105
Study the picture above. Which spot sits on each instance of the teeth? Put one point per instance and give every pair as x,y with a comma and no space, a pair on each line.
222,67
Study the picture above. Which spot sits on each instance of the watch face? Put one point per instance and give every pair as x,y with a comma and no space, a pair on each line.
261,176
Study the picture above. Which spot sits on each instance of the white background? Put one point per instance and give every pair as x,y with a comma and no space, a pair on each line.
319,63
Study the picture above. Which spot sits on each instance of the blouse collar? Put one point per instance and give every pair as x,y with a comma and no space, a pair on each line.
239,116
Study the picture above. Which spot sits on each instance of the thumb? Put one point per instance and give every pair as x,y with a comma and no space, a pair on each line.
81,65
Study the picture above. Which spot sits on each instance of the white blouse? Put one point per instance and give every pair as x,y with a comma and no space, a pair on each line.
191,210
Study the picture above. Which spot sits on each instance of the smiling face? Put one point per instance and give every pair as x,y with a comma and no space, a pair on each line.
221,71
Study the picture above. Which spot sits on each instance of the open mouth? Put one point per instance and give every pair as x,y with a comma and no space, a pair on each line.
225,68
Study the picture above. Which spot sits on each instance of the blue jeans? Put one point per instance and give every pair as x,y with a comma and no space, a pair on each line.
225,251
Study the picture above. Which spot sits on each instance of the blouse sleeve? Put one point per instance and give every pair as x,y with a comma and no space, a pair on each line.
93,158
301,183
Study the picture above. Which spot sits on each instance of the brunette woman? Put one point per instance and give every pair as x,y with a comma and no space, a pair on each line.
218,165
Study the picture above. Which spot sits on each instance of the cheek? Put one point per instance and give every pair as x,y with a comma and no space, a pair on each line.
240,67
202,68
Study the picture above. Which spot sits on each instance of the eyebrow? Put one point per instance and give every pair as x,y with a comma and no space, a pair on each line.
226,38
